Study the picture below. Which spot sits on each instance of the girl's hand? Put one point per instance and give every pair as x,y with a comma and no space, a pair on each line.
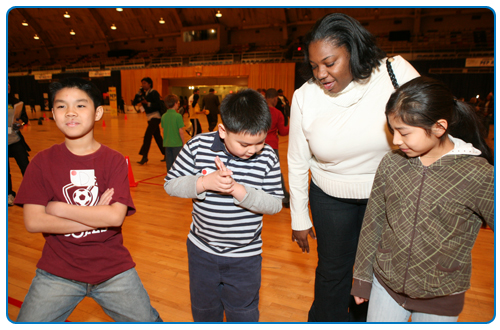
359,300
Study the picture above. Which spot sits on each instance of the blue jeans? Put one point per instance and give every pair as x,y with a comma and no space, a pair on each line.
337,222
52,298
221,284
171,154
383,308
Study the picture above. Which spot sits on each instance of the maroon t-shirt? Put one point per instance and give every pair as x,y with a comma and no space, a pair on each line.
277,127
56,174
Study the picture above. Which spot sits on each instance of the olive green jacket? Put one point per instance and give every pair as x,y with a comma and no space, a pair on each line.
421,224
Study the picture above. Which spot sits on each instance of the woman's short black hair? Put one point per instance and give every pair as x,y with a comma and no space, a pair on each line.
342,30
245,112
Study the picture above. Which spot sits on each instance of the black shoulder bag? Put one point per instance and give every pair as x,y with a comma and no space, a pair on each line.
391,72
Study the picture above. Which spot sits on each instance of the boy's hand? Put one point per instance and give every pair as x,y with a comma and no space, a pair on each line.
219,180
52,207
106,197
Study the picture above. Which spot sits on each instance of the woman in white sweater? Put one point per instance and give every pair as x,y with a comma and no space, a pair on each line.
338,134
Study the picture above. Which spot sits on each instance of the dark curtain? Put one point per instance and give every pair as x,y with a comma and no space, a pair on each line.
31,91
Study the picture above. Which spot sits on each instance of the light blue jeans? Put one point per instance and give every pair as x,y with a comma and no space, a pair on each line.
52,298
383,308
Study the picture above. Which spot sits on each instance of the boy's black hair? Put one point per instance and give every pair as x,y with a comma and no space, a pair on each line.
74,82
148,80
271,93
245,112
342,30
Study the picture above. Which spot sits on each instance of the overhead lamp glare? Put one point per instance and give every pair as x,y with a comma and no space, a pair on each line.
113,27
66,15
218,14
24,23
72,32
162,21
36,37
119,9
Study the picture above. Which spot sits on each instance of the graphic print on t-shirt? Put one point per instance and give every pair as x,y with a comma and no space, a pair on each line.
83,189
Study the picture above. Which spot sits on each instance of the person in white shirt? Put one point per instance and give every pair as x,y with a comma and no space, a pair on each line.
338,135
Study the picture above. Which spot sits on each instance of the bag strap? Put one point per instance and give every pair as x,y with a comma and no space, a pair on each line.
391,72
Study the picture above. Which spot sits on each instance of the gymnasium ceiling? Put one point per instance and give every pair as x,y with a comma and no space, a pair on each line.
92,25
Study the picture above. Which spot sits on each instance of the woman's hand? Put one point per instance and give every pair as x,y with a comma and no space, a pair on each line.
300,236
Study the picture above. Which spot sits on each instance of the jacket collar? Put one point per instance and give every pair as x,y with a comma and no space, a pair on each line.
461,150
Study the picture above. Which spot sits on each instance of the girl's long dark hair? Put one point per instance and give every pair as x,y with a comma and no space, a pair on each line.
423,101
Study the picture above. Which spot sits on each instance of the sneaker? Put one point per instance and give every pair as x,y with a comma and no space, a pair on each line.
10,200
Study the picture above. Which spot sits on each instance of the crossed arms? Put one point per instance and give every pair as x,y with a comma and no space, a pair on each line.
63,218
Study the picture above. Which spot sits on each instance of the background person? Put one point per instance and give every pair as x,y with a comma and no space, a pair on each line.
173,129
211,104
17,146
150,101
277,128
338,133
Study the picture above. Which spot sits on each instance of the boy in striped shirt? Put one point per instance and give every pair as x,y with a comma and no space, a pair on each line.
233,178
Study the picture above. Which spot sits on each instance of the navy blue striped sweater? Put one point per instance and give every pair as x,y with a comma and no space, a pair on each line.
221,225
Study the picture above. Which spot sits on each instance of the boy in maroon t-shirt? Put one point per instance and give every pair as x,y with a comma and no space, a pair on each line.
278,127
83,253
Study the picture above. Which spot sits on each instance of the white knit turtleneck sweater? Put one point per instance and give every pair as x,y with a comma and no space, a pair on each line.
340,139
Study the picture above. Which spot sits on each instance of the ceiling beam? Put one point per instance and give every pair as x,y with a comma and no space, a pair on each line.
177,18
101,24
44,38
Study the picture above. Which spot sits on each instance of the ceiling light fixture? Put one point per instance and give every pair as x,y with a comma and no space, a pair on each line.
24,23
113,26
36,37
72,32
119,9
162,21
218,14
66,15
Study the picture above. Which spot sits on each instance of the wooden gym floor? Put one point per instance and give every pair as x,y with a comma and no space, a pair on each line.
156,237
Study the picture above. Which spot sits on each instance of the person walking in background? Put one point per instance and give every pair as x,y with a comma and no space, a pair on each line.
173,129
210,105
428,202
283,105
338,135
277,128
150,100
17,146
194,112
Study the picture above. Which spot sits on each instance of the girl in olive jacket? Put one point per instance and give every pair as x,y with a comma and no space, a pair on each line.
428,202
